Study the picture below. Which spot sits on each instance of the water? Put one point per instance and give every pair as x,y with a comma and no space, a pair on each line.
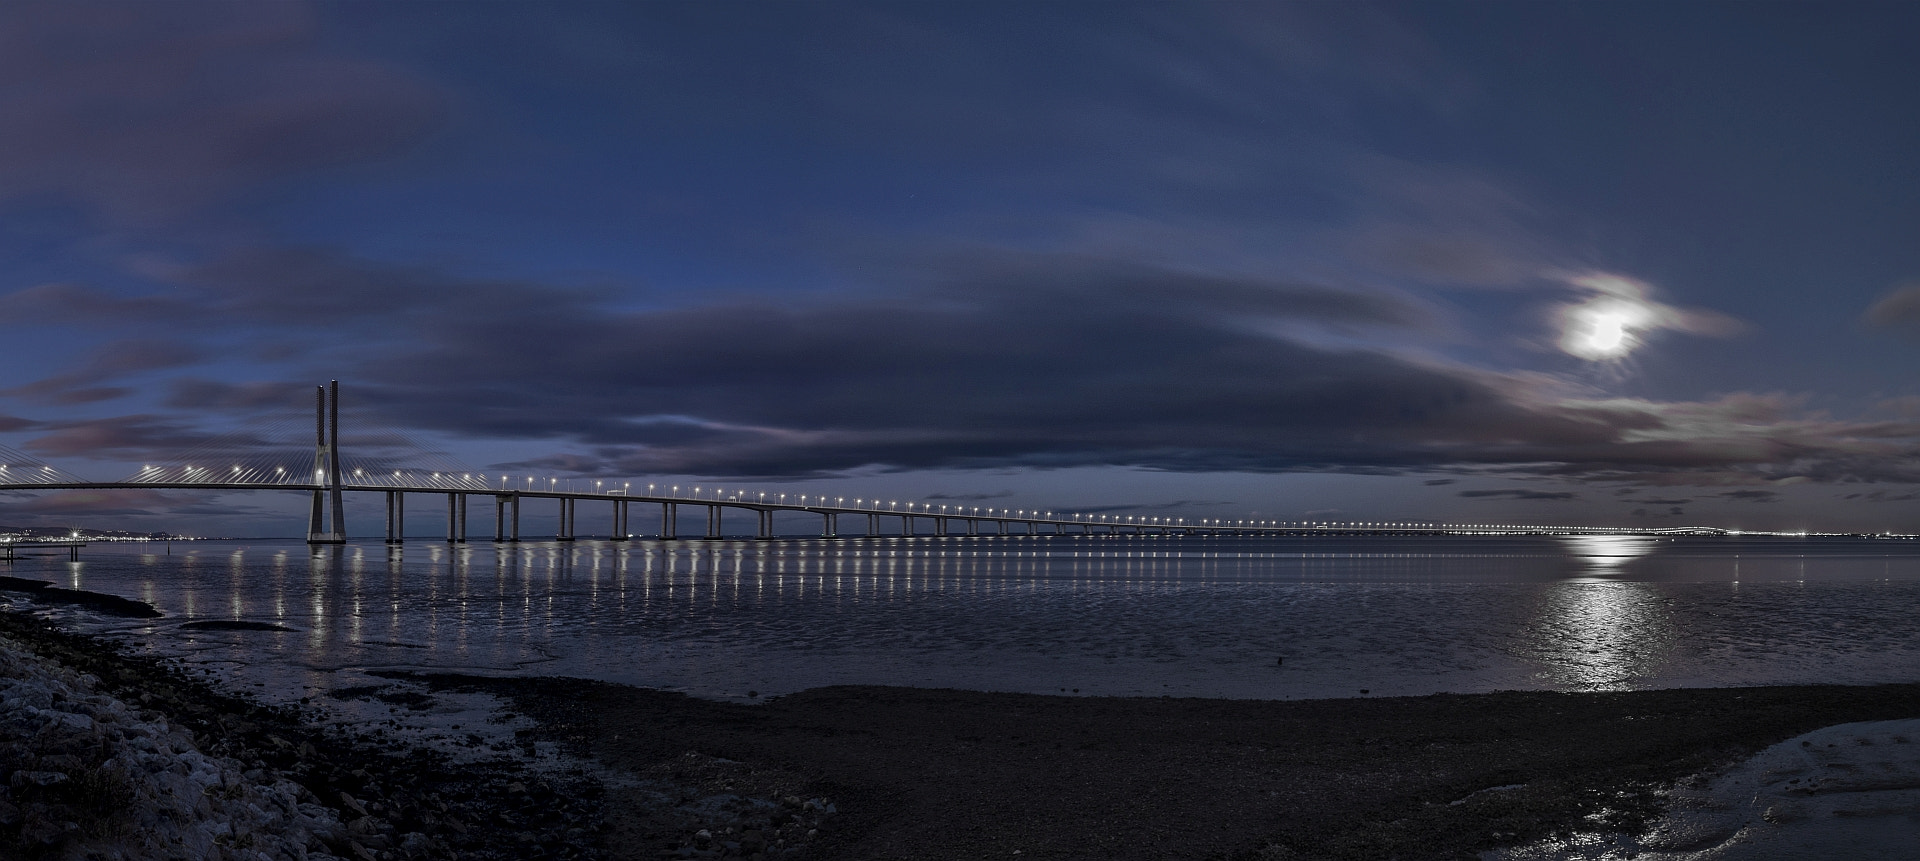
1247,618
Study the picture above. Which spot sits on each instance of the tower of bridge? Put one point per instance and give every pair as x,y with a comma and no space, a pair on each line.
326,469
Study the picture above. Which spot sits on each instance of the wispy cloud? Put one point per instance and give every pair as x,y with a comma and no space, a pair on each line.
149,112
1898,310
1521,493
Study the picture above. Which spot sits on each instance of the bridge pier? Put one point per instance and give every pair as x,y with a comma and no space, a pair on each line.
456,518
713,522
766,525
829,525
669,520
973,526
906,526
501,524
396,517
620,520
565,530
873,526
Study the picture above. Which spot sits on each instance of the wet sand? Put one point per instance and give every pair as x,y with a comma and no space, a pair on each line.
945,774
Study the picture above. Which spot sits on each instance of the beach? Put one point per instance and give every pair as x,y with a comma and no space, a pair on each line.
867,772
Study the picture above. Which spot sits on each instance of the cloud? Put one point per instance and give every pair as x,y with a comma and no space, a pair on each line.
112,361
1750,495
1884,496
1446,226
190,393
1675,511
131,437
1518,493
970,360
1147,506
971,497
79,303
1657,501
1899,309
146,112
1437,482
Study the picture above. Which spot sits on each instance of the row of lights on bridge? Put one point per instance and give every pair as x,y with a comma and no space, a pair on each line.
927,508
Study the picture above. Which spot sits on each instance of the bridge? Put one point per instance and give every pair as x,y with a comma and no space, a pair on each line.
329,480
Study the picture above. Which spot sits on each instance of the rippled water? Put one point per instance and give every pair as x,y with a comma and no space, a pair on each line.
1260,618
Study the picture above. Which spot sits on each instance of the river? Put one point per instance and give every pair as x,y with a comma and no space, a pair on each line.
1274,618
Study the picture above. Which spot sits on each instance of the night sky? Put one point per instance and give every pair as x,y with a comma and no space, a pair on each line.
1611,263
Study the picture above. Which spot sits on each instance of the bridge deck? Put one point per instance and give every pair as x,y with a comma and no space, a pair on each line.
7,548
920,511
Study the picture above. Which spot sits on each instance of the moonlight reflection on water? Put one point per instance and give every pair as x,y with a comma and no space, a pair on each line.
1598,631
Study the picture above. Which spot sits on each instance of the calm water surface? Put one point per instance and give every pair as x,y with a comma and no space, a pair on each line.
1250,618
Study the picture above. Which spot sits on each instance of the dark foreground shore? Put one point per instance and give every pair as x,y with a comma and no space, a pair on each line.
893,773
81,719
942,774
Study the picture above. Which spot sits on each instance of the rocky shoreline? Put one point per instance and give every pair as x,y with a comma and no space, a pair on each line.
107,754
91,776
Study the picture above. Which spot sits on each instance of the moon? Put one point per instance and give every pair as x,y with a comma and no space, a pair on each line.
1604,329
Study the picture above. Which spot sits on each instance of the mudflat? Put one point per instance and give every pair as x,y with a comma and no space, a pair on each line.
948,774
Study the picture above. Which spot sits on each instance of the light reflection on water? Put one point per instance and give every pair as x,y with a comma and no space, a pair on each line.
1151,616
1597,630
